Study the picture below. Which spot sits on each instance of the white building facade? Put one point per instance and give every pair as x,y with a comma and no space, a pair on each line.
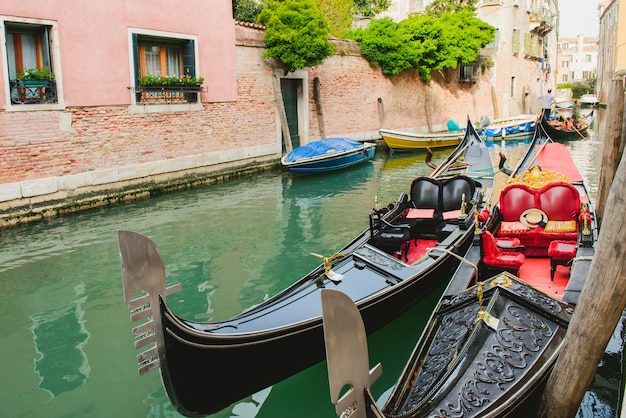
523,57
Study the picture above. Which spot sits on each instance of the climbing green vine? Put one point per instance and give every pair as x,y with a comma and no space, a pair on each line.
424,42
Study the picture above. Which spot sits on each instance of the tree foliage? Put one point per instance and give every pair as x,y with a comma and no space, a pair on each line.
246,10
438,7
579,87
424,42
338,14
296,33
370,8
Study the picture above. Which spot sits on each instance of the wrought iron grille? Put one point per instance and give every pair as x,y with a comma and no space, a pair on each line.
33,91
167,94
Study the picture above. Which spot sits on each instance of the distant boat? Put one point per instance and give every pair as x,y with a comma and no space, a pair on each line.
564,107
513,128
588,100
328,155
558,131
409,141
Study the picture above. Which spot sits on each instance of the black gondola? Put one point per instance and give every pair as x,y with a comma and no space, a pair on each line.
494,336
559,132
207,366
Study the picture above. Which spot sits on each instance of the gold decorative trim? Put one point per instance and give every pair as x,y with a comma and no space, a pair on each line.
537,178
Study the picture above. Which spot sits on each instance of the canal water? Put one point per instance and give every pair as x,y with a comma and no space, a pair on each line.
65,334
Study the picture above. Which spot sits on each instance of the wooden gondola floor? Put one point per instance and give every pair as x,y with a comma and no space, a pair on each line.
536,272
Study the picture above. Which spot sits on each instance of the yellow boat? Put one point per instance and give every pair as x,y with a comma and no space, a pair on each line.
409,141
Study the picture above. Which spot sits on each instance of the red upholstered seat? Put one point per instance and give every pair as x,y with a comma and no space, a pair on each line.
494,256
503,243
561,252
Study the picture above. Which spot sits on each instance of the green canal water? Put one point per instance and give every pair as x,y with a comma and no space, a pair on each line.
65,335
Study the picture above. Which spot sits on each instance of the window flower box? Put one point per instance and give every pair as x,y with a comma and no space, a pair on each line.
157,89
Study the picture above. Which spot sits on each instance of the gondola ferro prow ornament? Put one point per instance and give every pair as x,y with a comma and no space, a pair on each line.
143,271
328,267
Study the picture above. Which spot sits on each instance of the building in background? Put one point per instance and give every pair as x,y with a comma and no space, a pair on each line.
521,61
577,60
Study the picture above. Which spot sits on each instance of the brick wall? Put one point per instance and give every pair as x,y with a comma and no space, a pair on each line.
85,155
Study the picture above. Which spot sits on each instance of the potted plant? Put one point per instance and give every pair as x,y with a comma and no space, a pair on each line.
168,88
187,82
35,77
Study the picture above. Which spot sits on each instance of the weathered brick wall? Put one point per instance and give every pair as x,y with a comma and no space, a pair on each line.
92,153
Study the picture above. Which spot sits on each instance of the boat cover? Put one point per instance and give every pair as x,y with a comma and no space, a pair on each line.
555,157
510,130
322,147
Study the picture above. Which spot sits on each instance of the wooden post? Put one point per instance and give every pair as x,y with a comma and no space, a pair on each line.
381,111
599,308
318,105
429,119
280,108
613,143
494,102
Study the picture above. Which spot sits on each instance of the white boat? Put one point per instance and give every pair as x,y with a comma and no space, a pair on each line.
512,128
588,100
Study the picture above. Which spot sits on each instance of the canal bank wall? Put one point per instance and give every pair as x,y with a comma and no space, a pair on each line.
59,161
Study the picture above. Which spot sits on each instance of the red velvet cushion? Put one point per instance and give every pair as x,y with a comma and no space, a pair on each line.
420,213
451,214
515,199
560,201
495,257
562,250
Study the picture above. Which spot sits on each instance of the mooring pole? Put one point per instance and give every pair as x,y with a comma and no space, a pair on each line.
601,303
613,144
280,108
317,95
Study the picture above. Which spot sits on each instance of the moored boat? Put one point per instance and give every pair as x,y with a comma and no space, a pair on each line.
328,154
588,100
563,107
568,129
409,141
411,247
499,326
513,128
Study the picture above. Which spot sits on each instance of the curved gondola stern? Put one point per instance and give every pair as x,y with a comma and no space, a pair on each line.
347,356
143,271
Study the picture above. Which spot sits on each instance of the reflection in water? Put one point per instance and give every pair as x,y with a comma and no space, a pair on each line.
62,364
230,245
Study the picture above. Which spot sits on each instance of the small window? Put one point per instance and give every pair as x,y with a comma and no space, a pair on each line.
493,45
165,70
513,86
468,72
516,41
565,78
29,58
565,64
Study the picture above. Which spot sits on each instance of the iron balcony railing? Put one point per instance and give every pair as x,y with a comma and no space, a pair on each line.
159,94
33,91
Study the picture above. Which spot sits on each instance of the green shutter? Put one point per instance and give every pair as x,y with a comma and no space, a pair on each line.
189,59
136,57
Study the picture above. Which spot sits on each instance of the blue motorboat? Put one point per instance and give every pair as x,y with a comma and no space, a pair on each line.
328,154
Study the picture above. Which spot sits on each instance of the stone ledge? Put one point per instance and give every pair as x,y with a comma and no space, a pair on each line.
32,200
